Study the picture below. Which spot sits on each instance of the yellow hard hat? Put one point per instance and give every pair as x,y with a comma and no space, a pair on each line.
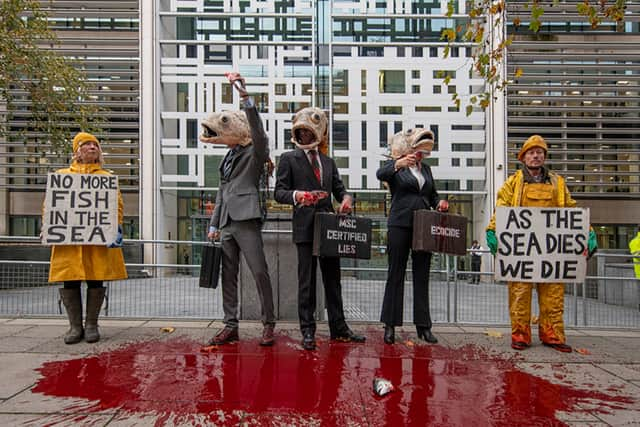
532,142
82,138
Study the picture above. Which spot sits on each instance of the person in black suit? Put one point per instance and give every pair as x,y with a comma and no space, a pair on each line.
306,178
412,187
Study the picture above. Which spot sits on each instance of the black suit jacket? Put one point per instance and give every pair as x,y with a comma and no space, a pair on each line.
295,173
406,197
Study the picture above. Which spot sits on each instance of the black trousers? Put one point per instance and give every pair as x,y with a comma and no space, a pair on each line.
398,248
75,284
330,268
476,261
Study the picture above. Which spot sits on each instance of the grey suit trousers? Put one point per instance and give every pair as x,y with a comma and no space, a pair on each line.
245,236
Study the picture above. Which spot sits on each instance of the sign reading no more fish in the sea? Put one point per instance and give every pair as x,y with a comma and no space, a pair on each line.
542,245
80,209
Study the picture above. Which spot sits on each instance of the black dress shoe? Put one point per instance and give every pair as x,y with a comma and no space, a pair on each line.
389,335
425,334
224,336
348,336
308,341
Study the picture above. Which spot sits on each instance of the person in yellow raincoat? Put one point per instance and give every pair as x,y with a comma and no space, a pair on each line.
535,186
94,264
634,248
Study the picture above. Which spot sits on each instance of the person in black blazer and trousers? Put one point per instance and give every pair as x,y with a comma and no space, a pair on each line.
306,179
412,187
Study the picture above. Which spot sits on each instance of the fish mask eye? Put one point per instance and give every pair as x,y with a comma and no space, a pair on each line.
315,117
408,132
225,119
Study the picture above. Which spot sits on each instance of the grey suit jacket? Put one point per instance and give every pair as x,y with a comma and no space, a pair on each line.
238,198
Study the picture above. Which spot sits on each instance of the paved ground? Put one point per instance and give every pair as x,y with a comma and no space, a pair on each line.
141,373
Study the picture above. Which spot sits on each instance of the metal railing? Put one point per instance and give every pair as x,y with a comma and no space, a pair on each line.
609,298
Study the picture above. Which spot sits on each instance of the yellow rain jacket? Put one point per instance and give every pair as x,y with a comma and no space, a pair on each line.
551,193
634,247
87,262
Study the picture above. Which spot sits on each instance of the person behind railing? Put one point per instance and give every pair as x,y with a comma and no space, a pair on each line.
634,248
535,186
94,264
306,179
237,216
412,187
476,262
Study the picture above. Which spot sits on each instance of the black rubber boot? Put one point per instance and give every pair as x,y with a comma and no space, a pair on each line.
72,301
95,297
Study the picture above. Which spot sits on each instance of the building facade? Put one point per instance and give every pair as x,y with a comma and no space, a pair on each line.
103,37
377,67
580,89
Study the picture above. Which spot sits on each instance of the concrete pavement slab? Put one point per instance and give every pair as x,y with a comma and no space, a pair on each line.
19,371
626,333
38,420
36,403
176,324
44,331
122,323
427,374
39,321
19,343
7,330
629,372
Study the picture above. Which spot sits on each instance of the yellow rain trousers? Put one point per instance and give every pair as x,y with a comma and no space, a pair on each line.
87,262
516,192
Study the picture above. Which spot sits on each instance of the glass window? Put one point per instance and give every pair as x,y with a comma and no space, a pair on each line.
391,81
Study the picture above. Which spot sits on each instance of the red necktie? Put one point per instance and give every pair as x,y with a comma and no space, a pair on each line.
314,164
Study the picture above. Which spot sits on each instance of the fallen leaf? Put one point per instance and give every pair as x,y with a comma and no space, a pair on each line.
167,329
208,349
583,351
409,343
534,320
494,334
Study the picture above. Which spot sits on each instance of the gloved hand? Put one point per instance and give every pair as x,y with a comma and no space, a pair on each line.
492,241
593,243
118,242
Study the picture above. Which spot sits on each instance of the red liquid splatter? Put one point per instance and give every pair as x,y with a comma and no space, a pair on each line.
176,383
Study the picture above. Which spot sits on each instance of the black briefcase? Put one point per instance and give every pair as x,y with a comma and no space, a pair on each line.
341,236
210,266
439,232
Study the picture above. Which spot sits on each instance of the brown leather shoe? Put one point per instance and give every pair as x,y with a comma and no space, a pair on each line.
224,336
267,336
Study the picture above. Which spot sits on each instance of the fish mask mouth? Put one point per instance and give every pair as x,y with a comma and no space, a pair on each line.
208,132
228,128
313,120
422,141
296,137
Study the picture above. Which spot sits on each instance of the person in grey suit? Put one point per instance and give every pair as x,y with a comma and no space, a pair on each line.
237,216
306,179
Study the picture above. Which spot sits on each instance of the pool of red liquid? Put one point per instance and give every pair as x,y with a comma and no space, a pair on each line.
175,382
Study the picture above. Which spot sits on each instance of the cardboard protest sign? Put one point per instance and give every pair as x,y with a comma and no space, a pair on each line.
542,245
80,209
342,236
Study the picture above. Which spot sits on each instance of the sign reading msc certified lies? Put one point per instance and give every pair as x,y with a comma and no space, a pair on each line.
341,236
